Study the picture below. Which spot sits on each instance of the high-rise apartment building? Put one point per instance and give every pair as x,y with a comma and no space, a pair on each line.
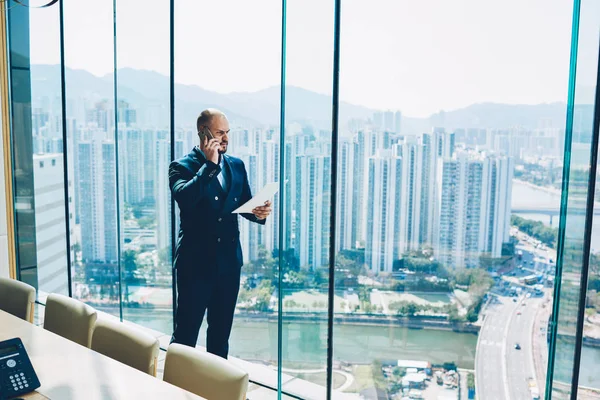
383,215
133,163
388,121
358,221
51,244
163,198
345,191
97,193
101,116
398,122
474,212
249,231
313,191
269,172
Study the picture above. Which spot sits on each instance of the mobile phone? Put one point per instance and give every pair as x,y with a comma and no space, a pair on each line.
206,133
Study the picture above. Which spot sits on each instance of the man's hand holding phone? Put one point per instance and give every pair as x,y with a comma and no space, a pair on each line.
210,147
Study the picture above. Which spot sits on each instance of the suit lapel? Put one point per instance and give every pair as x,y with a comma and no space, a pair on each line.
229,199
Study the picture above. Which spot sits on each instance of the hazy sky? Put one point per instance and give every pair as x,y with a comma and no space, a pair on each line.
416,56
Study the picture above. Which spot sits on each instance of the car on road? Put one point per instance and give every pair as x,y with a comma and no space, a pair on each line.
517,346
519,313
523,304
514,300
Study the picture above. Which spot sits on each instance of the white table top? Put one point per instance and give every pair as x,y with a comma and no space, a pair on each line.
68,371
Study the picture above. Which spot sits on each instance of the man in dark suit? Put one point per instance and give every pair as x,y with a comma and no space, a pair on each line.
208,185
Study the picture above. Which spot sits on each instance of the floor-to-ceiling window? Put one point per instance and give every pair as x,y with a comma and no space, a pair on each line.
575,337
450,166
306,172
585,125
227,55
450,186
38,158
89,61
143,112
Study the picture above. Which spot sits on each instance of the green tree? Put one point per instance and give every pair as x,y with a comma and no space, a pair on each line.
137,211
537,230
263,295
146,222
129,264
453,315
470,380
164,256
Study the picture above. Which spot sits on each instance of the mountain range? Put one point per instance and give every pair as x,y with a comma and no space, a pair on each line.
148,93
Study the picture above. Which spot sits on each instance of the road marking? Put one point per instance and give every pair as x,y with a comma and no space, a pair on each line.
503,355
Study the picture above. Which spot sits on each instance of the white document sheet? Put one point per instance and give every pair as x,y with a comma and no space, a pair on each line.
266,193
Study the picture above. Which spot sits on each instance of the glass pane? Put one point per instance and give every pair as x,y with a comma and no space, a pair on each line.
22,142
448,187
143,116
587,65
574,222
230,61
88,32
307,197
41,139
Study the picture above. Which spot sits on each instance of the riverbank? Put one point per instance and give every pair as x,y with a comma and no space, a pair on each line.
547,189
365,320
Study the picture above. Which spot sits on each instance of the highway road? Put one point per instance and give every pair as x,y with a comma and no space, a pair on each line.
503,372
491,383
519,363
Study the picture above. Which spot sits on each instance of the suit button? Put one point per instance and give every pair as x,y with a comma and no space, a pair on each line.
218,239
220,219
216,197
235,199
233,240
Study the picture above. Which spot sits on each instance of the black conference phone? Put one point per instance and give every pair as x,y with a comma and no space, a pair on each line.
17,376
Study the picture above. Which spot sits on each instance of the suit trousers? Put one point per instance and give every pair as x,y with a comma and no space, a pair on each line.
215,294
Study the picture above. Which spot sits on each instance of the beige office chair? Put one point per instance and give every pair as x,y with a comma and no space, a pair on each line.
70,319
17,298
126,344
204,374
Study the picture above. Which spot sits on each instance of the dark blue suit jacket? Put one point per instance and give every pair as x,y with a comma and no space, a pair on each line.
209,235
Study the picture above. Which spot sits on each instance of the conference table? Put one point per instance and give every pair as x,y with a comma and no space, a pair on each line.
68,371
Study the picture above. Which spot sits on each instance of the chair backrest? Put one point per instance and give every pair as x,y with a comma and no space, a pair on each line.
204,374
126,344
17,298
70,319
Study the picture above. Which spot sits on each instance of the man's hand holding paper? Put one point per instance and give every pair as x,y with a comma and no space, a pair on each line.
260,204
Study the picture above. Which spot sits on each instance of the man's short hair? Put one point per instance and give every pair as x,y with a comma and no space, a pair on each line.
207,115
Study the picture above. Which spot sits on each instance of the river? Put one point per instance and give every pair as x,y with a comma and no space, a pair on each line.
305,343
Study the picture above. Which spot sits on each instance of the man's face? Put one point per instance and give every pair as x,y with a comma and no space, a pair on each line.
219,127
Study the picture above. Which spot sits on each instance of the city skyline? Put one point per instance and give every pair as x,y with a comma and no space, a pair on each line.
406,194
